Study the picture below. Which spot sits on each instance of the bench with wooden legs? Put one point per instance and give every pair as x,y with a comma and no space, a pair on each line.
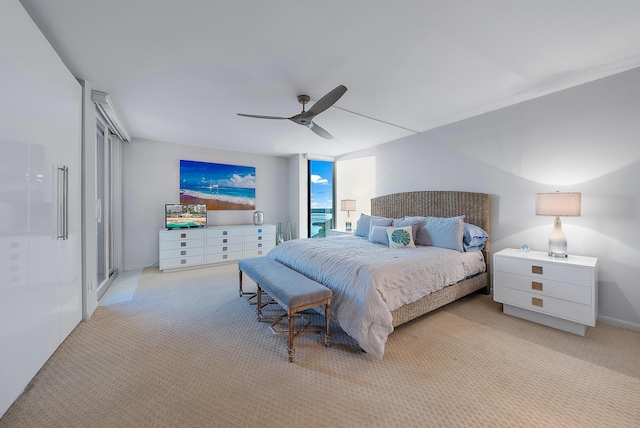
293,291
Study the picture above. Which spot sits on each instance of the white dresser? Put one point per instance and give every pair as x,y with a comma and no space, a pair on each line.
185,248
557,292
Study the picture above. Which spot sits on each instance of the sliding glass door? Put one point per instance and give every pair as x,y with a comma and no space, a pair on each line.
104,207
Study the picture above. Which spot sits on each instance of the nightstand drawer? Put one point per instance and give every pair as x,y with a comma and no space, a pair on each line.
181,262
220,232
545,287
223,240
181,252
576,312
557,271
224,257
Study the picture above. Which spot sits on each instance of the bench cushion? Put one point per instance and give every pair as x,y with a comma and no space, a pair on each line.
286,286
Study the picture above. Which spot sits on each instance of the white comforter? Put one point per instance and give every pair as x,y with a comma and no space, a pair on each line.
371,280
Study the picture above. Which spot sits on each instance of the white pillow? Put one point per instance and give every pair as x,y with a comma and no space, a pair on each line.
400,237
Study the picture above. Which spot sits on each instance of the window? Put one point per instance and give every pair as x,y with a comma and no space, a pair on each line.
321,200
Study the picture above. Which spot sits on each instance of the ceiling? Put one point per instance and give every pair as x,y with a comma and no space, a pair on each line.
179,71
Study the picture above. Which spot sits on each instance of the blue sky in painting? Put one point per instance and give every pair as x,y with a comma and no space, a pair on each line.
321,176
204,173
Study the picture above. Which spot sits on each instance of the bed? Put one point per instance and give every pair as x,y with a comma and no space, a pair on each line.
377,288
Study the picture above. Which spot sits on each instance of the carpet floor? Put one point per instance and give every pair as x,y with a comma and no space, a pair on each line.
186,351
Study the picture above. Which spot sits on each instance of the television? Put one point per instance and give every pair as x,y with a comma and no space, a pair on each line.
178,216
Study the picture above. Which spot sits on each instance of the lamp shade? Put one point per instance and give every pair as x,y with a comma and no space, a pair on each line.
348,205
558,204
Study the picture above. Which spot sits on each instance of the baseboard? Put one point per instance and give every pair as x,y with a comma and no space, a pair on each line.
619,323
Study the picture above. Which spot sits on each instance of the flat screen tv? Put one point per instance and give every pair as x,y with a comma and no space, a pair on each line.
178,216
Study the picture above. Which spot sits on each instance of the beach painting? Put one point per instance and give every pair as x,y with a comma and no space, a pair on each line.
218,186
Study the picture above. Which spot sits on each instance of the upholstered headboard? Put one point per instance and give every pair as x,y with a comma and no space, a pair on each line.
476,207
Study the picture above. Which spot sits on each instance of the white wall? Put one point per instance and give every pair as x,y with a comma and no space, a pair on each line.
584,139
151,171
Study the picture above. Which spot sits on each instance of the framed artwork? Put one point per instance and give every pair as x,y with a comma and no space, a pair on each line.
218,186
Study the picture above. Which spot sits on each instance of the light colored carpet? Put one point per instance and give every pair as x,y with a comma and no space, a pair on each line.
186,351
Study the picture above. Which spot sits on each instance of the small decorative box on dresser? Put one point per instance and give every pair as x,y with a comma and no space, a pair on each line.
185,248
557,292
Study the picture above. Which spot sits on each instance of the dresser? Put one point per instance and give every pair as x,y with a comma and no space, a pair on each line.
186,248
557,292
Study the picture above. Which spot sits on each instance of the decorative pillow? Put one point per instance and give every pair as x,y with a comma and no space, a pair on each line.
400,237
474,237
378,235
379,221
415,225
363,226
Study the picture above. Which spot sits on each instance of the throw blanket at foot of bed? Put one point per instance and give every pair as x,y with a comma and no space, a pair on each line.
290,289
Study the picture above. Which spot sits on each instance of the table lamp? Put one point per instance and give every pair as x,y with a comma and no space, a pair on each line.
558,204
348,205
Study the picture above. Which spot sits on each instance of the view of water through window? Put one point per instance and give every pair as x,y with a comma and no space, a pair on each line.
320,198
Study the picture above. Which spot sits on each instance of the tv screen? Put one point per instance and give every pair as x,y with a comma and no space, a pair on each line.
185,215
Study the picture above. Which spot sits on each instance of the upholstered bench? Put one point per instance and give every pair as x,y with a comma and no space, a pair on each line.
293,291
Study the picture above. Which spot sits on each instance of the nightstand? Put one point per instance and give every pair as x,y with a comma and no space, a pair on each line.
557,292
336,232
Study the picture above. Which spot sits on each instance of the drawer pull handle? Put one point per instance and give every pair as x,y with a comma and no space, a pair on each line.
224,241
536,302
536,269
183,252
260,252
259,238
183,262
183,235
224,256
259,245
259,230
536,285
224,232
183,244
224,248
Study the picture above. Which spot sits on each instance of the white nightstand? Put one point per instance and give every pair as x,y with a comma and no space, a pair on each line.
336,232
557,292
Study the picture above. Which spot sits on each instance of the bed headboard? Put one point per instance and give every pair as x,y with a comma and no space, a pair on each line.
476,207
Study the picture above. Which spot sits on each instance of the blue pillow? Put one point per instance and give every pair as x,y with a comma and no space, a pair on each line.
379,221
378,235
474,237
441,232
363,226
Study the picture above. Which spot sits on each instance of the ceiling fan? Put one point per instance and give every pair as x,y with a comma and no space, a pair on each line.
305,118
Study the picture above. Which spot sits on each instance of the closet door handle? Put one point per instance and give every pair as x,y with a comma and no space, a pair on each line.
63,203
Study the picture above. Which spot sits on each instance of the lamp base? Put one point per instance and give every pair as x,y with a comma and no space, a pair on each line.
557,241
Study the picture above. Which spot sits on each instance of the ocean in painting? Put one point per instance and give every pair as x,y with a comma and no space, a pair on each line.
236,195
219,186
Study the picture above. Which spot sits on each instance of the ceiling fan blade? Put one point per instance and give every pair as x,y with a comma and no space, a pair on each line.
260,116
320,131
327,101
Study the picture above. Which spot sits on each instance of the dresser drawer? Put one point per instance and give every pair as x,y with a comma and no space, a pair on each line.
259,245
223,240
538,269
544,287
182,244
583,314
176,235
181,252
224,257
260,230
181,262
249,254
267,237
223,232
221,249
